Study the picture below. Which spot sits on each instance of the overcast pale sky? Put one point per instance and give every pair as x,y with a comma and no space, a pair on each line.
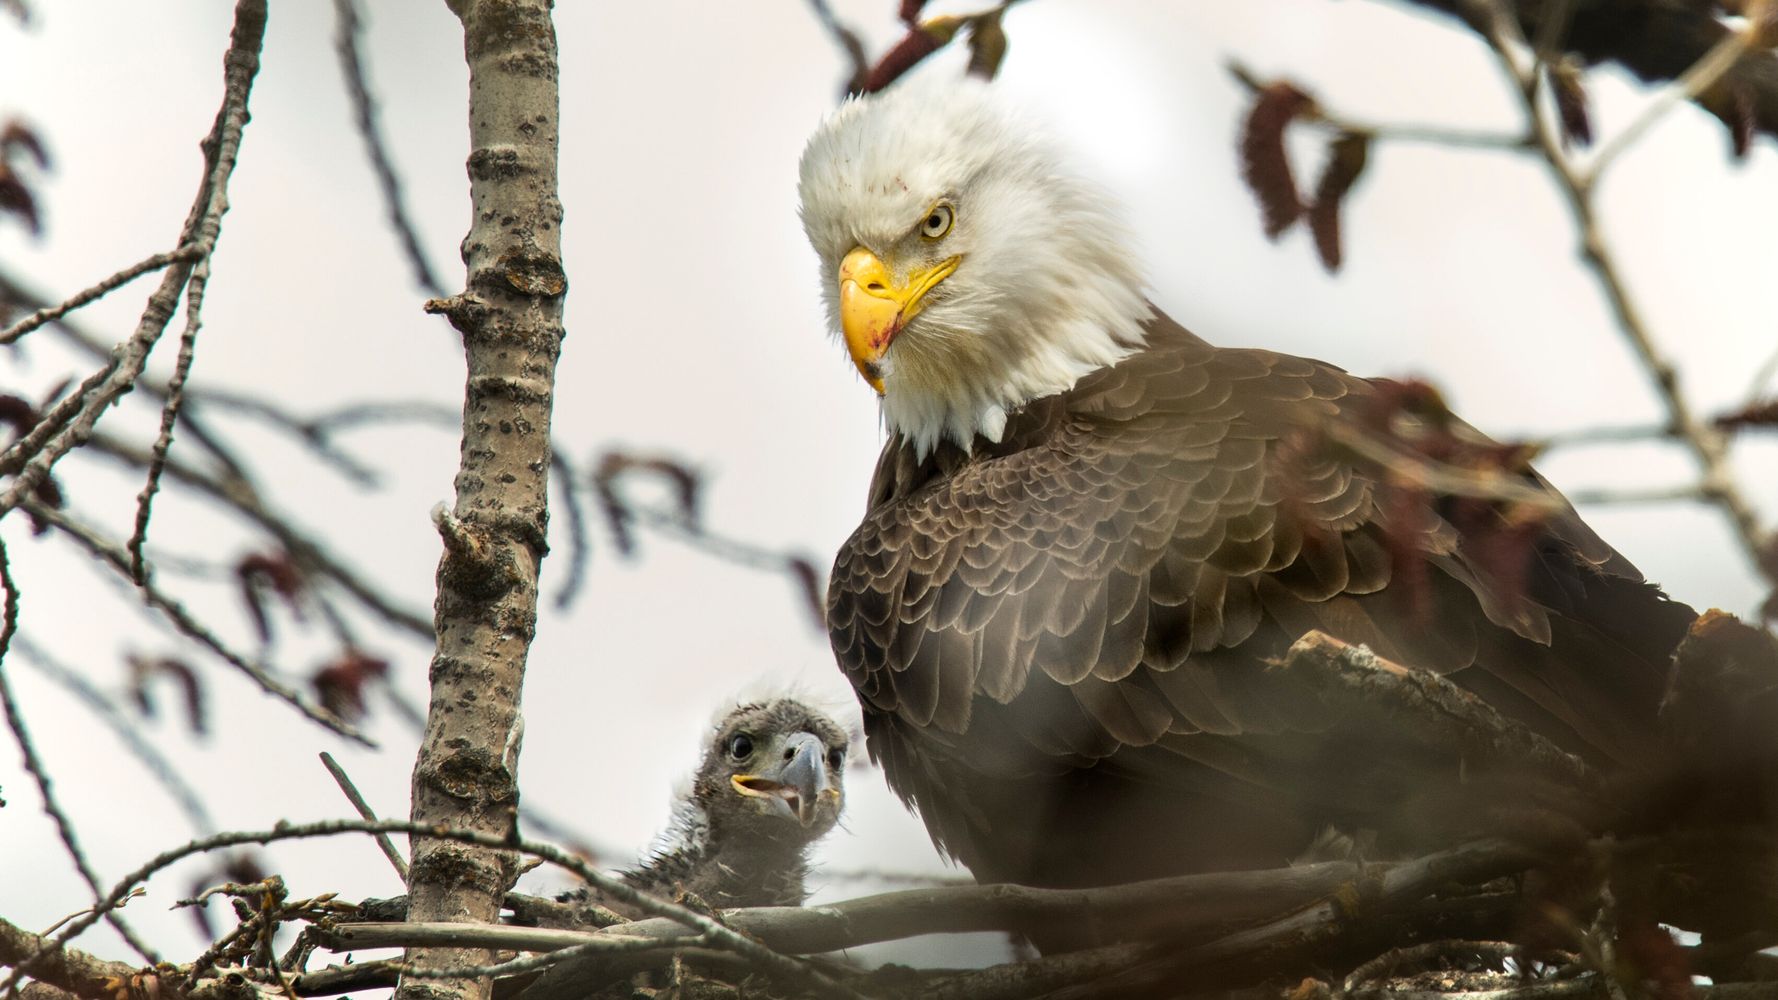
694,329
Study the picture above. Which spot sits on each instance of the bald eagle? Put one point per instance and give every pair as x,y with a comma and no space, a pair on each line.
1090,532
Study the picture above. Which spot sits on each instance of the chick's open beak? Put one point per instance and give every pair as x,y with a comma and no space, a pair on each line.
797,783
874,307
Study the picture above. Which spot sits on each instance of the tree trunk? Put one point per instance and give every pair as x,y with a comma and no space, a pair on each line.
510,317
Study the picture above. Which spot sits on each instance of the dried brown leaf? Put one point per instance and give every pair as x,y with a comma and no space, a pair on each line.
910,11
1570,96
685,481
1346,157
277,572
143,671
1428,467
1733,102
1743,120
16,199
340,684
987,45
19,413
1265,165
48,492
17,135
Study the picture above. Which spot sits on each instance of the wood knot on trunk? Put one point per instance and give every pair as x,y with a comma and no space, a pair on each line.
474,565
465,312
496,162
530,272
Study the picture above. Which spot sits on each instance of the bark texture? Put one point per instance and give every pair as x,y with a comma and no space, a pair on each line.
510,316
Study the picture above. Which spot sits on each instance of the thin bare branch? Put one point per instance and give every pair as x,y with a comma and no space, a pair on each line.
100,350
1552,30
1386,964
1706,444
1430,135
127,731
1700,77
344,780
163,441
187,624
364,110
1515,988
1586,436
33,455
337,979
1630,497
75,972
580,551
21,734
1180,905
311,554
857,62
1654,39
49,314
716,933
602,947
313,434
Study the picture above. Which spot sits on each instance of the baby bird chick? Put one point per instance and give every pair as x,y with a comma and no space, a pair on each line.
769,787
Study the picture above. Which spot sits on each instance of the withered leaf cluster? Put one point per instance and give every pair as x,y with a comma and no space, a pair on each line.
617,467
1266,167
260,573
144,670
18,142
685,482
1570,98
1428,464
983,33
23,416
340,684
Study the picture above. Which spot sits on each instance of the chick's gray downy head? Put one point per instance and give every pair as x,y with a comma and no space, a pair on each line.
774,770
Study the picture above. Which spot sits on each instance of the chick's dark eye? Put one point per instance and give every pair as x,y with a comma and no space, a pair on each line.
836,759
740,746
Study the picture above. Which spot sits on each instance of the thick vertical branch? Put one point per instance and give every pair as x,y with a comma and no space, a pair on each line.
510,317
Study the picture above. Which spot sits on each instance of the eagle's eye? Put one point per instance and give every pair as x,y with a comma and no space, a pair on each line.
836,758
740,746
938,222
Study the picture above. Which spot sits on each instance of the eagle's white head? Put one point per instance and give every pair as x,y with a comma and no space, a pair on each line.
967,267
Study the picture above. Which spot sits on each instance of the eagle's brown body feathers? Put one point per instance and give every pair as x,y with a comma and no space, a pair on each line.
1060,640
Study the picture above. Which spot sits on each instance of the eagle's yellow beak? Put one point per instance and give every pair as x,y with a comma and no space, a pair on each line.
873,308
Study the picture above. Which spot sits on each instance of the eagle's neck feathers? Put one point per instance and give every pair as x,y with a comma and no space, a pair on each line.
959,385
